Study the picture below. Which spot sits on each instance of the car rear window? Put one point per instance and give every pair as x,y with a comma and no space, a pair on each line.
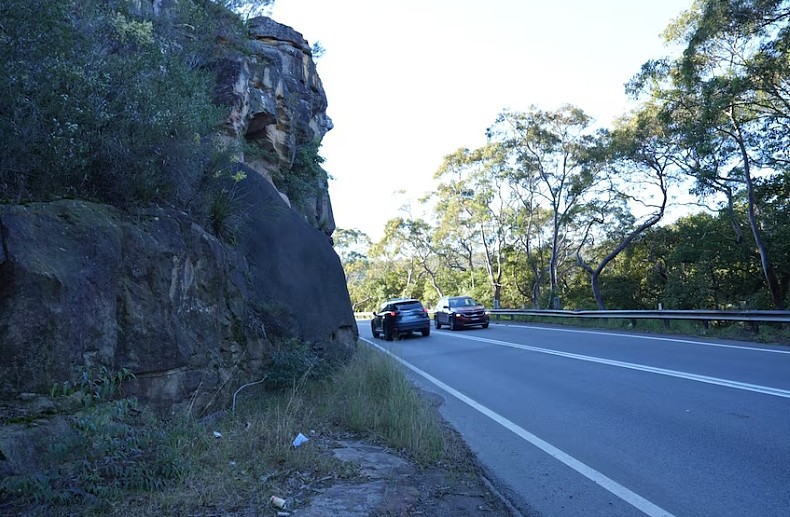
408,306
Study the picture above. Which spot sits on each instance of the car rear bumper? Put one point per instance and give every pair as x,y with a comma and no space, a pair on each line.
408,326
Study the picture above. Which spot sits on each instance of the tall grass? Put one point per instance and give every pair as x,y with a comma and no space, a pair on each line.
238,459
373,395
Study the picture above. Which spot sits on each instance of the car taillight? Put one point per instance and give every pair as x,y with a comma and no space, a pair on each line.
392,313
425,310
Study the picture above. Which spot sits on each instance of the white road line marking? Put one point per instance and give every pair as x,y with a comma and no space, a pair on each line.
766,390
653,338
632,498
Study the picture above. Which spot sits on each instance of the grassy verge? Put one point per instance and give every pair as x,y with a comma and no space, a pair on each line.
112,457
764,333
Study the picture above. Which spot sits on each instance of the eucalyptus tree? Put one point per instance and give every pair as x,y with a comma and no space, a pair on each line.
549,150
414,240
705,266
397,264
352,247
529,221
637,157
472,209
729,96
529,260
247,8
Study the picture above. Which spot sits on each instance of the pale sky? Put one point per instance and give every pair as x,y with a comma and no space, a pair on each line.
411,81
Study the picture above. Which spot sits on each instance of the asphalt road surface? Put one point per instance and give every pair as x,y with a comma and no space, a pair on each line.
580,422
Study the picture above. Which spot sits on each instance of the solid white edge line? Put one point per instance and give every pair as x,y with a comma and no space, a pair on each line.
630,497
766,390
652,338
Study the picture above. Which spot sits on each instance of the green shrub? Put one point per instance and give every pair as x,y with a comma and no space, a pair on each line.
303,180
100,103
292,360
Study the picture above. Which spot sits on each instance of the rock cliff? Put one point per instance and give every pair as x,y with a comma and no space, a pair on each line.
84,285
277,106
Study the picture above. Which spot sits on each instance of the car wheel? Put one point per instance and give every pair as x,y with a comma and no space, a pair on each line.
426,332
485,325
436,323
453,324
374,330
389,333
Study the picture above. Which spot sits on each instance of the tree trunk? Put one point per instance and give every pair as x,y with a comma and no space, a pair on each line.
536,288
596,289
777,296
554,294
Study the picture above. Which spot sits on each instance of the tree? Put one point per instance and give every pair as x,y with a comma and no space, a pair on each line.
352,247
637,155
247,8
471,207
727,95
549,150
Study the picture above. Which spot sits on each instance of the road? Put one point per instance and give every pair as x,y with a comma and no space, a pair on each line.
580,422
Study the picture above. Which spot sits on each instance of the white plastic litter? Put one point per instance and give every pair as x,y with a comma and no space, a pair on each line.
279,502
217,434
300,439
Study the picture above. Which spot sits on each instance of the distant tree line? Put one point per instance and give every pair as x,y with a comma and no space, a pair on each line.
552,213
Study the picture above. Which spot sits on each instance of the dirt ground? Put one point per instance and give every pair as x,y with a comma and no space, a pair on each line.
383,482
388,484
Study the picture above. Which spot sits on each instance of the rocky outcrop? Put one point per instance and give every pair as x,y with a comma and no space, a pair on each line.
277,107
276,102
85,285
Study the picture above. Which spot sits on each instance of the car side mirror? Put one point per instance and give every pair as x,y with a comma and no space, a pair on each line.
445,306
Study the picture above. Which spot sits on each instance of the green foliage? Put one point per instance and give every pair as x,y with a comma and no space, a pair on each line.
108,448
247,8
317,50
101,103
292,361
224,212
305,178
95,384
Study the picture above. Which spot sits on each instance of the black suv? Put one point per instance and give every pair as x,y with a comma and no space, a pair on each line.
459,311
400,316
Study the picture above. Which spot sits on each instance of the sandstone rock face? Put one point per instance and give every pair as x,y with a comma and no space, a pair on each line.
277,104
85,285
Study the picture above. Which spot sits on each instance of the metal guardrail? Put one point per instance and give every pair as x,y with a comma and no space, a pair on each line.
698,315
664,314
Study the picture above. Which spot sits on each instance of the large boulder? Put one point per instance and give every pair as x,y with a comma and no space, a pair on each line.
85,285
